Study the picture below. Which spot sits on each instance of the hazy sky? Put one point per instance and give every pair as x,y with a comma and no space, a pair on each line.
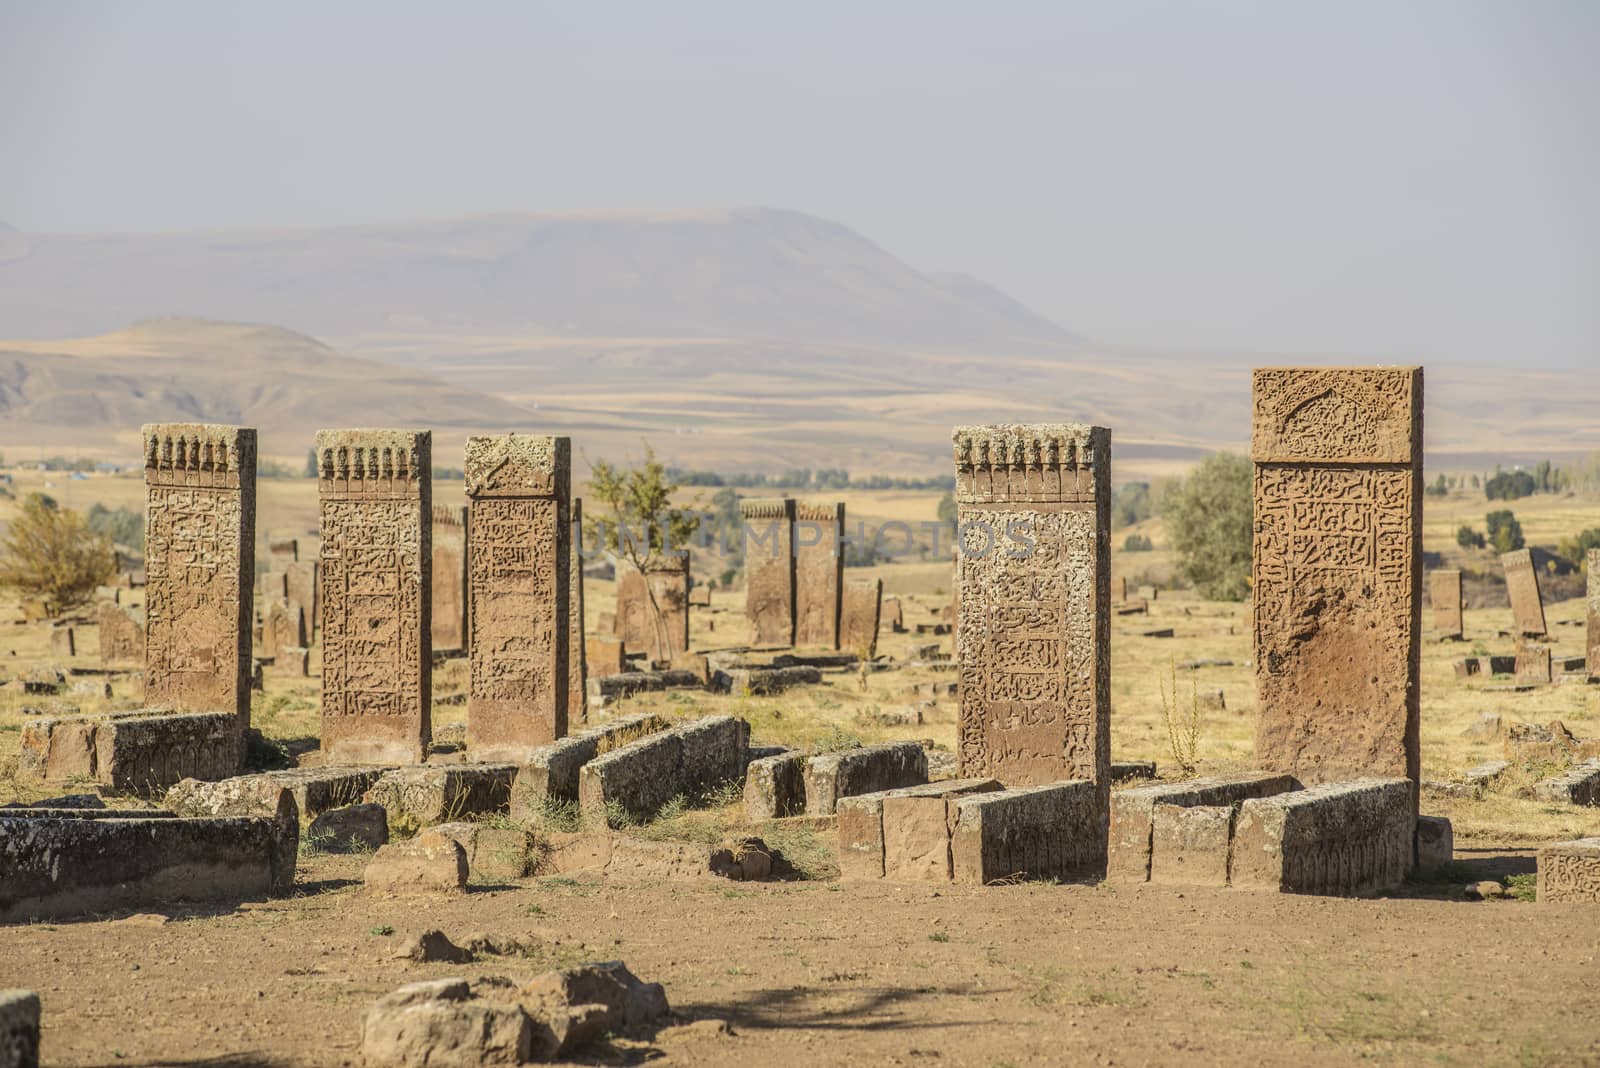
1404,181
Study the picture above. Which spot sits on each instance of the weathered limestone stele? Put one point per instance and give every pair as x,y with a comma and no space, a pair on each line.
1593,615
1522,586
300,587
121,633
377,655
775,787
859,622
640,777
449,618
1345,839
19,1029
1033,632
1337,582
58,867
818,572
1033,832
666,578
199,543
769,568
577,647
1569,871
519,578
1444,590
1133,814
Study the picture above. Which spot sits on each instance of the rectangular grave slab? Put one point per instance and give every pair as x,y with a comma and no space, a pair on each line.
121,633
1533,664
319,790
604,656
19,1029
642,776
300,587
859,618
577,649
769,569
612,687
1055,831
666,578
1133,813
775,787
448,617
1444,591
893,615
199,543
243,795
818,572
376,494
1569,871
1189,845
61,868
551,771
133,752
866,770
1522,586
424,796
1578,785
757,681
1341,839
1337,570
861,841
520,574
1033,603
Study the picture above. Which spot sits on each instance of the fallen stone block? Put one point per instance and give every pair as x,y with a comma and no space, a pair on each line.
1159,632
133,752
247,795
318,790
774,787
1054,831
63,801
1484,775
551,772
1569,871
429,863
627,683
761,682
75,862
1487,725
1189,844
1128,770
494,852
574,1006
640,777
432,947
623,856
440,1024
913,832
866,770
1578,785
352,829
19,1029
1435,843
1342,839
421,796
1132,820
1468,666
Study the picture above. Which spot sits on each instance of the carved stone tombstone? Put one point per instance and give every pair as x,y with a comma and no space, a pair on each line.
376,494
863,604
121,633
1337,571
1522,586
284,628
667,577
769,568
1444,590
199,536
818,572
1033,572
300,586
519,576
577,651
281,552
1594,612
449,618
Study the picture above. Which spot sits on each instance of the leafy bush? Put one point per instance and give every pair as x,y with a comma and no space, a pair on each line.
1210,519
1505,533
1468,538
1137,543
1131,504
1577,549
50,552
1510,486
123,526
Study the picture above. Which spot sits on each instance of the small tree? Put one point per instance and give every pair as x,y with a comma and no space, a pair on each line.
1210,518
311,464
1468,538
947,509
1505,533
635,500
50,552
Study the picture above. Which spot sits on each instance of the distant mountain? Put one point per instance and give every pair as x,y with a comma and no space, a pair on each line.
749,274
89,393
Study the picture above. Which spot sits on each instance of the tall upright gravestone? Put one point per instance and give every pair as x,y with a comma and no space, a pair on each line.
769,568
376,492
1033,567
1522,586
519,576
1337,571
577,650
200,534
1593,629
449,615
818,572
1444,591
859,617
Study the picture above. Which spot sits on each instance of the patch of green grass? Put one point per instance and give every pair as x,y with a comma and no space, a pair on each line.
382,931
939,936
1522,887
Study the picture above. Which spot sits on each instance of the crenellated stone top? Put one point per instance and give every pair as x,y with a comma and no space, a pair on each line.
518,465
449,515
766,507
374,463
819,511
1043,462
199,454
